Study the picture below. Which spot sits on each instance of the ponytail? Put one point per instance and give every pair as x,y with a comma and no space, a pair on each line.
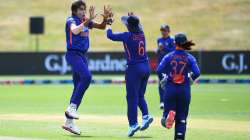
187,45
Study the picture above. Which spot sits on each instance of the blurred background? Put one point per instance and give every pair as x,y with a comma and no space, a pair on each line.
212,24
220,29
35,79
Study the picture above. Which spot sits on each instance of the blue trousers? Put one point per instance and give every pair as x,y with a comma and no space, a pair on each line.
161,91
81,75
177,98
136,82
160,77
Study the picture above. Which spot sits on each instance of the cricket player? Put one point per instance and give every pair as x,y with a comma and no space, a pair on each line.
77,40
137,71
165,45
181,69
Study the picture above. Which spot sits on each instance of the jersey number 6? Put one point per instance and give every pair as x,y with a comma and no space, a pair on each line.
141,49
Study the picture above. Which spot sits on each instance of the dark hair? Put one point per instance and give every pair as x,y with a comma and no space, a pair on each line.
165,27
187,45
134,24
134,29
76,5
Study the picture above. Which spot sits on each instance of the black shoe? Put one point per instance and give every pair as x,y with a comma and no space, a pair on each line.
163,122
161,105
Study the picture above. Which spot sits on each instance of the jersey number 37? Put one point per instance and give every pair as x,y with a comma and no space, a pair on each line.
177,71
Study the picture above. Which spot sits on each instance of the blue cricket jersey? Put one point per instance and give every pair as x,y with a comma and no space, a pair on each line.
79,42
168,46
177,65
134,45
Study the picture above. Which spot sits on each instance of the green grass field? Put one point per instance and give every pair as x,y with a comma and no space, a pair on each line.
36,112
212,24
218,112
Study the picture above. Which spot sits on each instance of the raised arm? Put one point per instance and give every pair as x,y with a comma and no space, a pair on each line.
76,29
115,36
107,12
101,26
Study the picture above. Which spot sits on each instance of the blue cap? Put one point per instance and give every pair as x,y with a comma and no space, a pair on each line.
132,22
180,38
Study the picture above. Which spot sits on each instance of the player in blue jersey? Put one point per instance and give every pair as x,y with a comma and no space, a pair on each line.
181,69
165,45
137,71
77,39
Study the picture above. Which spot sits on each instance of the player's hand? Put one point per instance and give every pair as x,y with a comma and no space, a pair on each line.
161,47
163,82
108,15
110,19
107,12
92,14
190,78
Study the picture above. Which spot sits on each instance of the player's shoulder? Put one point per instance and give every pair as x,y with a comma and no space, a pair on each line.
190,56
71,19
159,39
171,38
169,55
126,34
